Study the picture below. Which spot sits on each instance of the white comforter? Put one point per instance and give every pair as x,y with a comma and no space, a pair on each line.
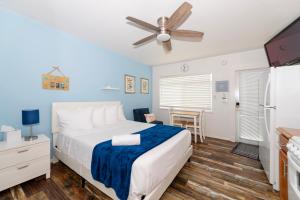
147,171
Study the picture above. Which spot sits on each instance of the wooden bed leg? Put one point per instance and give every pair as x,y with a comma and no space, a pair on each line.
83,182
189,160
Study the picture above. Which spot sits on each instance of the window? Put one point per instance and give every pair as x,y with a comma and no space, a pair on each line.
189,92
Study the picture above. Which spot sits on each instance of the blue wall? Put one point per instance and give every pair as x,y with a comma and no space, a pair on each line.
28,49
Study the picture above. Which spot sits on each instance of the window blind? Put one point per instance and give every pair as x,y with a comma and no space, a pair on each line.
193,91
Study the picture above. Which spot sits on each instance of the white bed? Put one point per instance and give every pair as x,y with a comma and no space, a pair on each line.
151,173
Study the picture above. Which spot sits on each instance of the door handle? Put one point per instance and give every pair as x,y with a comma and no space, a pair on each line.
265,103
269,107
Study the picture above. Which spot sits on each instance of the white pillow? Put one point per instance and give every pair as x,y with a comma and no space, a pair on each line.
111,114
75,119
121,113
98,117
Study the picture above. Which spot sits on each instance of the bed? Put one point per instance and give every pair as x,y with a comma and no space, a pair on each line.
151,173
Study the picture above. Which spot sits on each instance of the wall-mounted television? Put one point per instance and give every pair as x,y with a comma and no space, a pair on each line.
284,48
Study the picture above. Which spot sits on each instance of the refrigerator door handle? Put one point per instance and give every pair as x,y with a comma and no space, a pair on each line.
269,107
265,104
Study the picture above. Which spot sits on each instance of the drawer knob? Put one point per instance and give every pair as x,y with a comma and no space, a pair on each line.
23,167
23,151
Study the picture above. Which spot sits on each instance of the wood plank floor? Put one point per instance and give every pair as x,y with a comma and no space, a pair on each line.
213,173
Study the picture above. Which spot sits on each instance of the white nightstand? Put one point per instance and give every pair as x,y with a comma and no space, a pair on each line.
23,161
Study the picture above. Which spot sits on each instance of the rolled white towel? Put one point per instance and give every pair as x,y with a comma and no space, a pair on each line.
126,140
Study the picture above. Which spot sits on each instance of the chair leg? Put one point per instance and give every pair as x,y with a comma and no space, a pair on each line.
195,135
201,136
195,129
201,123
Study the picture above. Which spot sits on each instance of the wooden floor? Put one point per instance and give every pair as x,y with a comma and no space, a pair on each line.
213,173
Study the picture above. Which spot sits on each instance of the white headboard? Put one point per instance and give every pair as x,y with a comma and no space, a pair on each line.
74,105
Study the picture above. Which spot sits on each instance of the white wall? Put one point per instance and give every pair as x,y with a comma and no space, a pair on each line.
220,123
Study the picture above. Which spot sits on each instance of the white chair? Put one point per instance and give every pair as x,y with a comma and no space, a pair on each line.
182,121
199,126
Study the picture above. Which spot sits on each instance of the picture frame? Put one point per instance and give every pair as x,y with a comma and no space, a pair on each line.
50,82
144,85
129,82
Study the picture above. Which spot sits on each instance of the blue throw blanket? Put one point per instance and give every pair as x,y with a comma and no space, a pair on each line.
111,165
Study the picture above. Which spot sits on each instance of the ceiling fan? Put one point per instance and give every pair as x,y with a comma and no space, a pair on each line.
167,27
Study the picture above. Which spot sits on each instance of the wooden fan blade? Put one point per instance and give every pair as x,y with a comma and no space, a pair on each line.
167,45
146,39
177,16
187,33
142,23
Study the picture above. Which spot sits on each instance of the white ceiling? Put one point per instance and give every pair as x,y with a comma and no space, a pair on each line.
229,25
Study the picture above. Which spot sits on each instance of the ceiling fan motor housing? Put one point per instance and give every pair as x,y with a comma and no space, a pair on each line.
164,35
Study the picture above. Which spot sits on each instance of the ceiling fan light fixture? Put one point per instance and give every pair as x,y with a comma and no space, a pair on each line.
167,28
163,37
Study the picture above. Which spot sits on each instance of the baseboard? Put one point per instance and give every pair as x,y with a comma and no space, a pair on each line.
222,138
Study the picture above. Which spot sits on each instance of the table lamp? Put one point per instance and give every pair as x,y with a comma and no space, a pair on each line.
30,118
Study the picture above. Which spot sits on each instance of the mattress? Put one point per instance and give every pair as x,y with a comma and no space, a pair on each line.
148,171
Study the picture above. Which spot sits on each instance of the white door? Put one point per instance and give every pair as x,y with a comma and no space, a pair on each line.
288,97
266,109
281,109
284,110
250,114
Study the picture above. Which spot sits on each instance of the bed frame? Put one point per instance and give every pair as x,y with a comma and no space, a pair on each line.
86,174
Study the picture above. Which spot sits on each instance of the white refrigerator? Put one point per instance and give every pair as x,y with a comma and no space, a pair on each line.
280,107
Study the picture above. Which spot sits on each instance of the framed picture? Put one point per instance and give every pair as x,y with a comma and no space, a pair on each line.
129,84
144,86
50,82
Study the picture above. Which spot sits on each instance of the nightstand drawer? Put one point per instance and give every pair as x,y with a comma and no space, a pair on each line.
19,155
22,172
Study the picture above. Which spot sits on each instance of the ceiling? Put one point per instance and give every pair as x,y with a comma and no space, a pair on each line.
229,25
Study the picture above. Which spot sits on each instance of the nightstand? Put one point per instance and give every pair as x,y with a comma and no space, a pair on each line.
23,161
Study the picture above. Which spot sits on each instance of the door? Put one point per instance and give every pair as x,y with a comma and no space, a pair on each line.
288,96
251,115
265,116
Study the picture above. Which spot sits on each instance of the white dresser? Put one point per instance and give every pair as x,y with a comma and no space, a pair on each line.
23,161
